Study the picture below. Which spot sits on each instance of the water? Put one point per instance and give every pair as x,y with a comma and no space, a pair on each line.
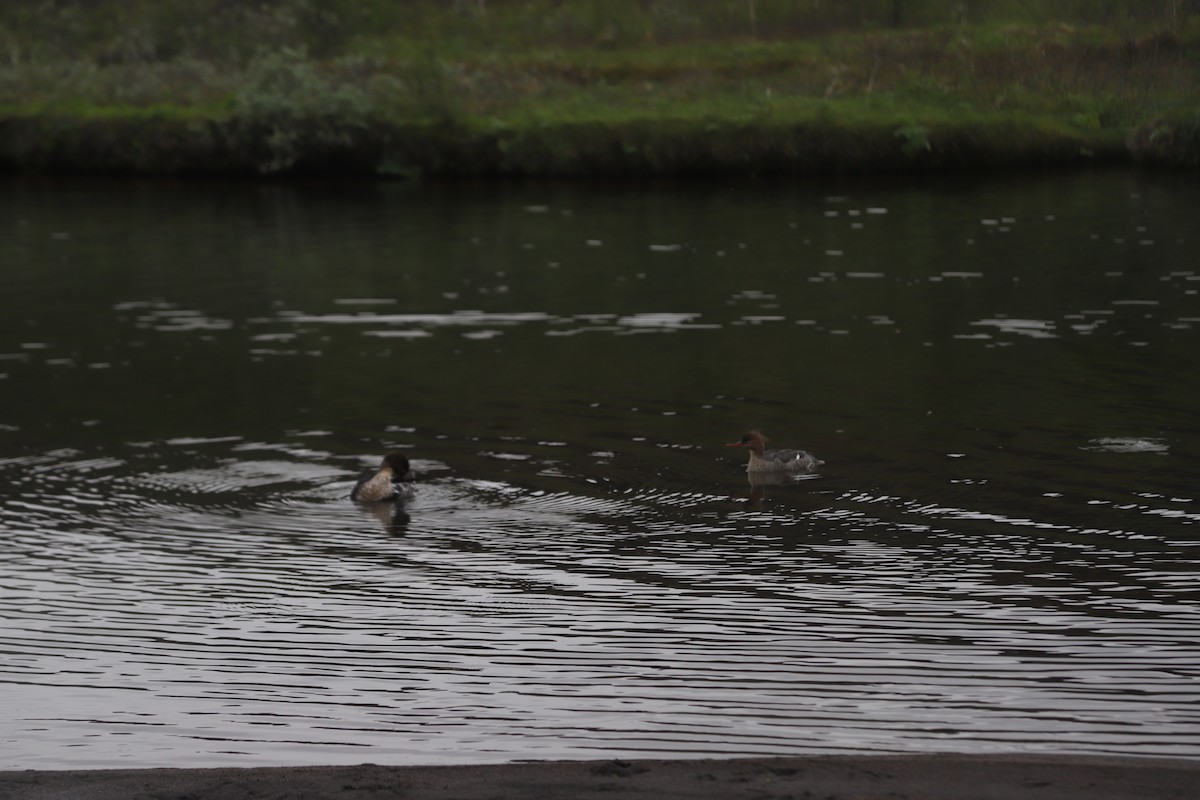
999,555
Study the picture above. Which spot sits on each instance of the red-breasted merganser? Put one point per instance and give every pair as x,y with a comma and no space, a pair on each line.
775,460
392,481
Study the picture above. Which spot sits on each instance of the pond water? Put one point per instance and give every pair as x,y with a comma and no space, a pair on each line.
1000,554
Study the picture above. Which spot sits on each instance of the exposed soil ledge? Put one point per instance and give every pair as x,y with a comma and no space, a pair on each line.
157,144
935,777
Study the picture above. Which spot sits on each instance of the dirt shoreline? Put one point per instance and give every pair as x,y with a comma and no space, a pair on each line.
149,145
929,777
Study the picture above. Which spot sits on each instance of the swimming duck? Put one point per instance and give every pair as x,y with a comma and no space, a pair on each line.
775,460
392,481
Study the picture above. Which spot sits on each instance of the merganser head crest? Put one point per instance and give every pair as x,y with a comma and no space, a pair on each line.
749,439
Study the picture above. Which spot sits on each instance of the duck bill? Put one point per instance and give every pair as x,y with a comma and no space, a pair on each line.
736,444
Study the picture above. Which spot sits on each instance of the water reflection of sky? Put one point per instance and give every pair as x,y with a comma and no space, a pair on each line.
997,556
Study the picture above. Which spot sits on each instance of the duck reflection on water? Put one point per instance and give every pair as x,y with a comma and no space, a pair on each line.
762,482
393,517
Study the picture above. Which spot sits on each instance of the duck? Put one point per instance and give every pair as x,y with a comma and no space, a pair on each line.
392,481
779,461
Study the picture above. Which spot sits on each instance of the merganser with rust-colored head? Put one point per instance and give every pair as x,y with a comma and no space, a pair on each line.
392,481
762,460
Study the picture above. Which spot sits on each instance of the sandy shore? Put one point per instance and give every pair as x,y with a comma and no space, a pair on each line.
936,777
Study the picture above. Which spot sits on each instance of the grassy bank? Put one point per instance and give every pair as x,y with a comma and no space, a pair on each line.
556,88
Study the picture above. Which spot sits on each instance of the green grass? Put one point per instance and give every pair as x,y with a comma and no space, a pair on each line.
532,87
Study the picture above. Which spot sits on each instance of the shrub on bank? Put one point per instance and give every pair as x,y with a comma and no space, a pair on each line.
1172,139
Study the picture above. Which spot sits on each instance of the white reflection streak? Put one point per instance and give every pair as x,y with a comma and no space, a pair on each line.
662,320
1035,328
946,512
457,318
648,321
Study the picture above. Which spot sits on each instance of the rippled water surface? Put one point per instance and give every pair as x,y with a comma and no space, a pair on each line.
1000,553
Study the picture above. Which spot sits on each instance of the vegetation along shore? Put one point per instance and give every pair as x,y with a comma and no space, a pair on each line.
594,87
